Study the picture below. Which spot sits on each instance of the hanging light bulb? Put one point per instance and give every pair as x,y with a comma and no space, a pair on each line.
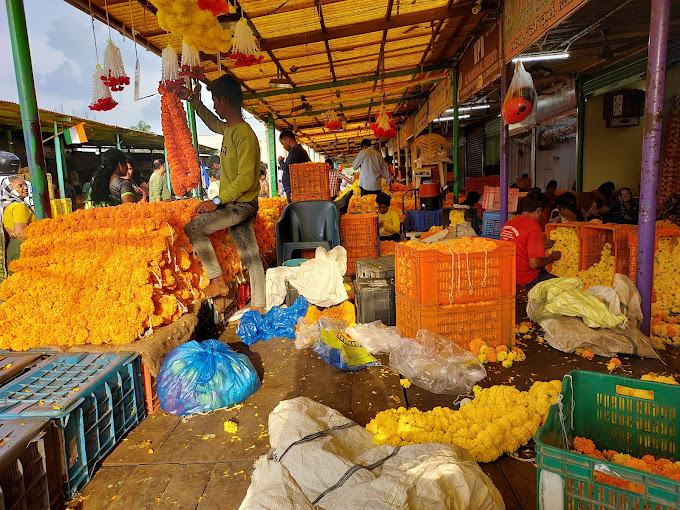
101,96
384,127
191,63
244,50
170,78
114,75
332,121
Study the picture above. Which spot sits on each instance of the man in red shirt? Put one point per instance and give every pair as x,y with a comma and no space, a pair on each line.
525,231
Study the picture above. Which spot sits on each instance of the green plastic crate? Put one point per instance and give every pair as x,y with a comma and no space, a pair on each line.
614,421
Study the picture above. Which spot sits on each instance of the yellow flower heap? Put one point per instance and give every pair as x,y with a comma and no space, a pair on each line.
368,203
499,420
105,276
666,308
461,245
457,216
566,242
601,273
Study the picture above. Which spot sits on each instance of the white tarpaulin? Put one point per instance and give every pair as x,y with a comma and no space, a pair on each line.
320,459
319,280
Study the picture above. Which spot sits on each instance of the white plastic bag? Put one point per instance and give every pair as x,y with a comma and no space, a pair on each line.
375,337
437,365
307,335
521,99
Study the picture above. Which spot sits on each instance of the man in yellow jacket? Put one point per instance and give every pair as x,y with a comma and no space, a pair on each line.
235,207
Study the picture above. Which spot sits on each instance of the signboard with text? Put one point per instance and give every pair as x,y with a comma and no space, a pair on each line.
481,64
420,120
440,99
525,21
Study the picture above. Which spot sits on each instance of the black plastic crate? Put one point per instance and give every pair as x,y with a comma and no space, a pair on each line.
375,300
31,465
382,267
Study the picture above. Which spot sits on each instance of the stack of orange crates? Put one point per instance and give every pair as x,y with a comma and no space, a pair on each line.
310,181
360,236
457,295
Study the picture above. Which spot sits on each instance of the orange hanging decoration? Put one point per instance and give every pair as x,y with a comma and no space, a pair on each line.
333,123
184,170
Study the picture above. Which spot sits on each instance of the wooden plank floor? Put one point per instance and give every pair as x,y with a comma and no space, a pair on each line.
193,464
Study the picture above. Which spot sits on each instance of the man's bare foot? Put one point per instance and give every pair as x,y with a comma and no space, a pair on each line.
257,309
217,287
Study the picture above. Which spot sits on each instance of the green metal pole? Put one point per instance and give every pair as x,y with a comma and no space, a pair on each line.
271,138
580,134
58,156
430,128
118,142
167,169
10,143
191,116
456,128
30,117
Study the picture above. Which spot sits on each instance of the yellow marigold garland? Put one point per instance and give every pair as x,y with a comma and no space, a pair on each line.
498,420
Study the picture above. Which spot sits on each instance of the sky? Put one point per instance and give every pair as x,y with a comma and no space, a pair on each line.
64,60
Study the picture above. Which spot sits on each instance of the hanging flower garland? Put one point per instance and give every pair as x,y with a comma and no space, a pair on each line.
217,7
170,74
244,51
114,71
384,127
101,96
191,63
198,27
332,122
184,170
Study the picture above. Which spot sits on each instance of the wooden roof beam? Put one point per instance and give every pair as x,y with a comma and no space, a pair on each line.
319,10
366,27
345,82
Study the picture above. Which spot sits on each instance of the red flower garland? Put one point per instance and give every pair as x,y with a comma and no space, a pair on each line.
242,60
104,105
217,7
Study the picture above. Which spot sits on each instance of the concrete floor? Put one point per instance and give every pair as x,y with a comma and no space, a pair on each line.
193,464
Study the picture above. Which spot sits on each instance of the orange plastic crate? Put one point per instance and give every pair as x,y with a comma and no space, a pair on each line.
354,254
307,197
493,321
359,230
310,179
151,401
633,247
593,239
431,277
569,224
492,199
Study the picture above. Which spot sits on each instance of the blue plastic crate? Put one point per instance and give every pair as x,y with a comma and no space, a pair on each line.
421,221
95,399
491,224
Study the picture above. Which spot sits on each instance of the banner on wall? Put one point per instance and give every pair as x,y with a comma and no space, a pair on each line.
481,64
420,120
525,21
441,98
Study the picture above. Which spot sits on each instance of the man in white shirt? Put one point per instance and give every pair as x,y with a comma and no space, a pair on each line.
373,168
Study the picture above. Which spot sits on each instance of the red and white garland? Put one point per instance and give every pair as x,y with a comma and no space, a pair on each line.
101,96
244,50
332,122
114,75
384,127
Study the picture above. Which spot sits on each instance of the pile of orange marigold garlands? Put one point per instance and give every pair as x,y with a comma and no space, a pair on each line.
269,212
184,170
108,275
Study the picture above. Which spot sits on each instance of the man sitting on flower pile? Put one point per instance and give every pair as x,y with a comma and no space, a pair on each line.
526,232
235,207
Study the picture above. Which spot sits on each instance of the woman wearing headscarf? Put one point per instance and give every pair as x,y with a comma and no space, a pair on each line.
109,185
16,214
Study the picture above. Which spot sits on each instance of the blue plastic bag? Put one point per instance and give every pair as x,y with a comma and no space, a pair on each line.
276,323
199,377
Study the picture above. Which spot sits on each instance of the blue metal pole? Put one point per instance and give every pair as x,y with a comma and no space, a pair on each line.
651,151
30,117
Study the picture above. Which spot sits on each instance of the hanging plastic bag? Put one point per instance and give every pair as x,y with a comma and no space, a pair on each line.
276,323
338,349
437,365
375,337
521,99
198,377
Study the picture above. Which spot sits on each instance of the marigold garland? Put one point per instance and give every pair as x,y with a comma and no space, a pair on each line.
109,275
498,420
184,169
